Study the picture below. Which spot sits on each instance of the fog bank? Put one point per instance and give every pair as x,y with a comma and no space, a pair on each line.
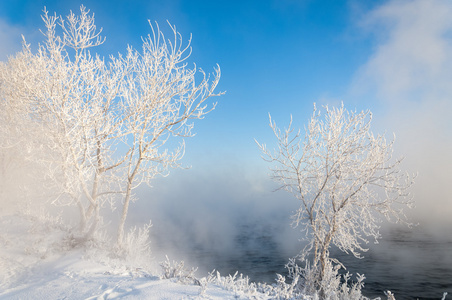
408,78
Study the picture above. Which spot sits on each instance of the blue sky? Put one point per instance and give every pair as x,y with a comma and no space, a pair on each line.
275,56
278,57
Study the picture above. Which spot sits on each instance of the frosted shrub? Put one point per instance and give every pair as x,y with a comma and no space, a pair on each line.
136,247
309,275
236,282
133,257
178,271
43,221
333,285
390,295
100,240
49,233
299,287
241,285
283,290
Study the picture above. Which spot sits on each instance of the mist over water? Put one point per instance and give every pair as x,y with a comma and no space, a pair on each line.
229,220
254,252
412,263
234,223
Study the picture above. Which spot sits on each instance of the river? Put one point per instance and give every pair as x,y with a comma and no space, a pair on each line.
409,262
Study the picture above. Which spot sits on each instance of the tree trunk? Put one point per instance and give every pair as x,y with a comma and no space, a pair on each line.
125,209
82,225
94,224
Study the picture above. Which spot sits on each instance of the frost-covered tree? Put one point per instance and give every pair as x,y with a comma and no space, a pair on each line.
68,96
159,98
346,180
103,124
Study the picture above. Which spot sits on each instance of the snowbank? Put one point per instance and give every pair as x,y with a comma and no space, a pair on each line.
35,263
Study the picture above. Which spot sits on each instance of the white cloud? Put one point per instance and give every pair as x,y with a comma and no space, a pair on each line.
415,48
410,75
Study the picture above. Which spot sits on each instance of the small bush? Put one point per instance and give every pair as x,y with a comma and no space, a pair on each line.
178,271
136,249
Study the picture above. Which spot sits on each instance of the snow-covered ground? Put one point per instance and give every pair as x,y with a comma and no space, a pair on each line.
39,260
36,263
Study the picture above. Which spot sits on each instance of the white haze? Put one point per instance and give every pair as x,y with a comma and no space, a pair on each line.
405,81
208,209
409,74
203,206
408,77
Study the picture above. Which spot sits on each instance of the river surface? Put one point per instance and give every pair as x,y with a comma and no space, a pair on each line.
409,262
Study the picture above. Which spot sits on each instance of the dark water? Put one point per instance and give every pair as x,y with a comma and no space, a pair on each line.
409,263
